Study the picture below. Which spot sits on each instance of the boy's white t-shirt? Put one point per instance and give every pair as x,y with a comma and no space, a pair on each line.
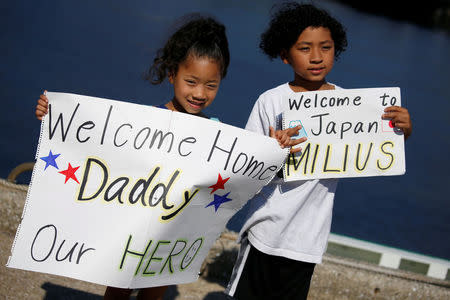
289,219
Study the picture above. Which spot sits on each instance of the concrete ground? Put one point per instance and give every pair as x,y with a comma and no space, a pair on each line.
336,278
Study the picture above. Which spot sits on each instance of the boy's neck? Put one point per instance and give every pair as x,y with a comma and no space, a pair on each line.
300,85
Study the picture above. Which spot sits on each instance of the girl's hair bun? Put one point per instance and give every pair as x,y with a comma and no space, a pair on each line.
198,36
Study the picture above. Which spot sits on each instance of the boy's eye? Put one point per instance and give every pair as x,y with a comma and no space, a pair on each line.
303,48
212,86
190,82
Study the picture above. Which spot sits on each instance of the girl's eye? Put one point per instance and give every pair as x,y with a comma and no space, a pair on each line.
326,47
304,49
190,82
212,86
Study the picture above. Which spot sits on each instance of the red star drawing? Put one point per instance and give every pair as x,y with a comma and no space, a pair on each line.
219,184
70,173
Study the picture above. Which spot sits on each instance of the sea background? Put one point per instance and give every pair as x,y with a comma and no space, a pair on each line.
102,48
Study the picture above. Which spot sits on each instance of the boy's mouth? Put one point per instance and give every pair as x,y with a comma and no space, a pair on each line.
316,71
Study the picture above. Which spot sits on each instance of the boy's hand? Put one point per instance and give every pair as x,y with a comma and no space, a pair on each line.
41,107
284,137
400,118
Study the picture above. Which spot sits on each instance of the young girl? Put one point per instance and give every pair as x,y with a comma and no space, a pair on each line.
287,227
195,60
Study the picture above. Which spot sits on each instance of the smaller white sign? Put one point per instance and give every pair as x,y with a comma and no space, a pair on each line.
346,135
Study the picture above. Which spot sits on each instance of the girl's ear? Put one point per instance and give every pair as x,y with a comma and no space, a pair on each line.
284,56
171,77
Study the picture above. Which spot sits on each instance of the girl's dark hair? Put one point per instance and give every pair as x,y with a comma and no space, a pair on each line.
290,20
200,37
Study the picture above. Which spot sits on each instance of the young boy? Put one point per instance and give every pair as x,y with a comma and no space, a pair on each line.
287,227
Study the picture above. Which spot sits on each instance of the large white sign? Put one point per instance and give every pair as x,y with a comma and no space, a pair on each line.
346,136
134,196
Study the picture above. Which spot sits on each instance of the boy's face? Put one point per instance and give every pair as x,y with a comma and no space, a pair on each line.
312,56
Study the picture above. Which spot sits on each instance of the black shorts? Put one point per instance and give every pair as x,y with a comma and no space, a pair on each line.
273,277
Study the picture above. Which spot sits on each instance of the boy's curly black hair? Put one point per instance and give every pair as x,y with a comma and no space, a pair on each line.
200,37
290,20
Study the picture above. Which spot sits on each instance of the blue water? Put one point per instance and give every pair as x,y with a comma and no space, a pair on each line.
102,48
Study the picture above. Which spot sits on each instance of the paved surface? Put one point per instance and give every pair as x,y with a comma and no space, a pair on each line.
336,278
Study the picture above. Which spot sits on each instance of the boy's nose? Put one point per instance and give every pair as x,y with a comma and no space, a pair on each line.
316,56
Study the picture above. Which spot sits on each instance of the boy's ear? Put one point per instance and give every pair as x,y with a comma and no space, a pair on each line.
284,56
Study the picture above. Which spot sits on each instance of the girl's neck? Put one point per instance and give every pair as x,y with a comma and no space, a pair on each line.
174,106
301,85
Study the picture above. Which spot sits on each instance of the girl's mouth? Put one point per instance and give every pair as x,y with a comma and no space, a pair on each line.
196,104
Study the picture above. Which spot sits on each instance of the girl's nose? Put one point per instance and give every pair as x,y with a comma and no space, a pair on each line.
199,93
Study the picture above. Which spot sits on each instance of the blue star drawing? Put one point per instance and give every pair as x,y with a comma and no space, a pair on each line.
50,160
218,200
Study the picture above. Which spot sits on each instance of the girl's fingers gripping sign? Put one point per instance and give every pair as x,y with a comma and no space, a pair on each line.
41,107
284,137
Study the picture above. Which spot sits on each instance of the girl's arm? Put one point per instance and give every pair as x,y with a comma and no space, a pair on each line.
284,138
400,118
41,107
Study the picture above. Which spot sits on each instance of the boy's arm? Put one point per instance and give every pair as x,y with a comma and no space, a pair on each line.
263,122
284,138
400,118
259,120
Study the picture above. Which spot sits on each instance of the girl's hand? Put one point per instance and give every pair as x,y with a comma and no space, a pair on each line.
41,107
284,137
400,118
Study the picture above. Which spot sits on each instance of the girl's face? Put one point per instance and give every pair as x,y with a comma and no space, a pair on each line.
312,56
195,84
